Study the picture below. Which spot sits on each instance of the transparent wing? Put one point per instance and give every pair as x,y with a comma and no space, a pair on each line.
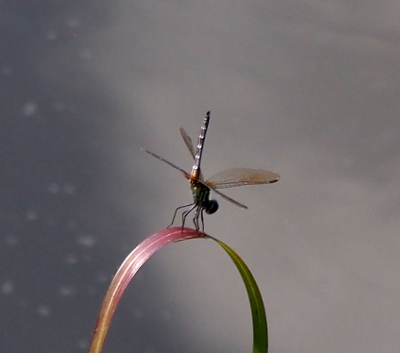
229,199
189,145
187,175
188,141
241,176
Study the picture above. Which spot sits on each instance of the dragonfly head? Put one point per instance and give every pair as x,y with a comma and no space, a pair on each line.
211,207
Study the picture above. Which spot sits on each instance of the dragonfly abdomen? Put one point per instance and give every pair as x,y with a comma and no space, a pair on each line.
199,148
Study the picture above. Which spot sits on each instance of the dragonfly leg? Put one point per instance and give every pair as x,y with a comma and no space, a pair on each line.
198,214
176,210
196,219
202,220
185,213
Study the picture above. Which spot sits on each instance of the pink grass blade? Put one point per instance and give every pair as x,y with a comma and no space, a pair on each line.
125,273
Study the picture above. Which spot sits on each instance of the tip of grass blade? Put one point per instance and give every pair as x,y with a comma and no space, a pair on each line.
259,318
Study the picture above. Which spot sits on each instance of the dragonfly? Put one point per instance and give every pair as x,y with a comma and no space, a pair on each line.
202,202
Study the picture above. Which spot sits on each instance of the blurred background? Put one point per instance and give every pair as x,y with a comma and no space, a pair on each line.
309,89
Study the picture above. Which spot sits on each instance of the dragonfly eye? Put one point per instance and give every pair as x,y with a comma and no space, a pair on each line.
212,207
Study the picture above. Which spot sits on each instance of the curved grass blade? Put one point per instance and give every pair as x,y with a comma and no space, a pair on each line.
143,252
127,270
260,329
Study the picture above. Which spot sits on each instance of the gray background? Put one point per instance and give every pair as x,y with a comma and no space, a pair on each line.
309,89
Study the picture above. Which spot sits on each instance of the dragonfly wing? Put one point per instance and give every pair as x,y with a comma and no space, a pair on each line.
187,175
188,141
241,176
189,145
229,199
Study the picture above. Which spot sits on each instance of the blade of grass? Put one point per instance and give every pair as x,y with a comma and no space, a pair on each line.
127,270
259,317
142,253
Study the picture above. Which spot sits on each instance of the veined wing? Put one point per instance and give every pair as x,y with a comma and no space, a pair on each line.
187,175
189,145
188,141
241,176
229,199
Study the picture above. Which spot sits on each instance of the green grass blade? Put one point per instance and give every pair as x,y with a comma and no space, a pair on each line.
260,329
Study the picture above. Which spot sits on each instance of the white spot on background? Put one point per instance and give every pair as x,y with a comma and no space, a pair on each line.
86,54
11,239
86,240
69,189
83,344
43,310
29,109
7,287
102,277
54,188
51,34
72,22
66,291
31,215
71,259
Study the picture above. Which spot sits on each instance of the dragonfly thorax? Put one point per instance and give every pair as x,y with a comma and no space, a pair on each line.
201,197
